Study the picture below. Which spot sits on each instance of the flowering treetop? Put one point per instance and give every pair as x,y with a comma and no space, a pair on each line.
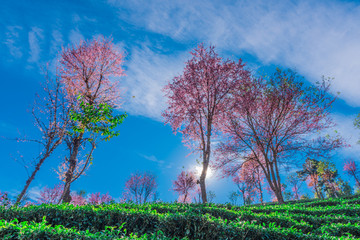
86,70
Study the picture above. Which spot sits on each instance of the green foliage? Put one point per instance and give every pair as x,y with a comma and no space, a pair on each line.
98,118
336,218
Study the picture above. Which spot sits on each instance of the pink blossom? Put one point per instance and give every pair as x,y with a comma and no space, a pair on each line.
140,187
198,99
77,199
86,70
96,198
51,195
352,170
275,119
184,185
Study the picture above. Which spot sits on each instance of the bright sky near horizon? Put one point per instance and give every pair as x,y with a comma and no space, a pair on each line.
314,38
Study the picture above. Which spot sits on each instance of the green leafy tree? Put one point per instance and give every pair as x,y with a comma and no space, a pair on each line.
346,189
233,197
329,178
98,122
310,174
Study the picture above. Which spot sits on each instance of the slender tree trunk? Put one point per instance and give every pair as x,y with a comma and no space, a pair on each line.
260,192
279,190
206,159
202,180
244,199
31,178
185,196
317,190
357,180
76,143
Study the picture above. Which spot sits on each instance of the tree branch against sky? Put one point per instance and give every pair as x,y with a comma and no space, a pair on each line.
198,98
52,119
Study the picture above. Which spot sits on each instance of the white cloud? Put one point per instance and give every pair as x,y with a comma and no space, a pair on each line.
56,42
147,73
152,158
315,38
75,36
345,127
12,41
35,36
34,193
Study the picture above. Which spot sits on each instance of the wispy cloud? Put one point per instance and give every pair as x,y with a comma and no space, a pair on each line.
316,38
148,71
35,36
152,158
57,41
34,193
345,127
12,41
75,36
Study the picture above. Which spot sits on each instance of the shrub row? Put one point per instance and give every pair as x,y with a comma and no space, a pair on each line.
31,230
194,224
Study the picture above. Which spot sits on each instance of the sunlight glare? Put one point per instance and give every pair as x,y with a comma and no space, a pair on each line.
198,170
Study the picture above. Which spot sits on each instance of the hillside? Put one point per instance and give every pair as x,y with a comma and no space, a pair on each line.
319,219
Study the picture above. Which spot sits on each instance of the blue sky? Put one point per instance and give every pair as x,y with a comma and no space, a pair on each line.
313,38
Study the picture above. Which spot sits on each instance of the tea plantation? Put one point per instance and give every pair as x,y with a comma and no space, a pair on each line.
320,219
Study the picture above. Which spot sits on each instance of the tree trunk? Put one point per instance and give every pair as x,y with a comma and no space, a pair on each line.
274,183
206,159
319,195
260,192
31,178
76,143
205,164
279,196
357,181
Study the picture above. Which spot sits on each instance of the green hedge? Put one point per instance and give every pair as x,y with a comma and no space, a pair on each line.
318,220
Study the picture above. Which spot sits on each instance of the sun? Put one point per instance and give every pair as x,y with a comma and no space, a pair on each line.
198,170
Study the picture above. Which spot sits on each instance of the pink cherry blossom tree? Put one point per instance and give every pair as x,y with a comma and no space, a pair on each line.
184,185
4,199
351,168
198,98
245,173
78,199
97,198
51,195
184,198
140,187
86,72
249,179
278,120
